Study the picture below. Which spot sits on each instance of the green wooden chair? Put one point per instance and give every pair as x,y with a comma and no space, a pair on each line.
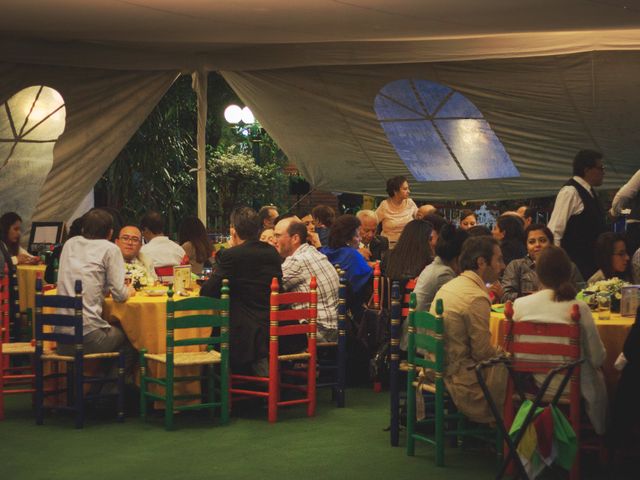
198,316
426,333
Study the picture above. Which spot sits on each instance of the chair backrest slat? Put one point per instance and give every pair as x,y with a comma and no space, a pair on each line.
545,329
538,348
55,319
295,314
202,312
309,312
58,301
291,297
200,341
199,321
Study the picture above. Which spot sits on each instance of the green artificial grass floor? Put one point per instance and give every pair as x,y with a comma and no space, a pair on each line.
347,443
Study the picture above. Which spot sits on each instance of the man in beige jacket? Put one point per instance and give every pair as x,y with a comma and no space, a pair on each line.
467,339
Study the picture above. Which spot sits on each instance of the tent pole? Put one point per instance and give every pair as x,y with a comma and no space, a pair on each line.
199,84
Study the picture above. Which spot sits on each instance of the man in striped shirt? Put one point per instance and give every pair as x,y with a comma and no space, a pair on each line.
301,262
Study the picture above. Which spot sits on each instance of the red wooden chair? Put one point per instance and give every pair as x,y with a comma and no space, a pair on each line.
14,379
531,357
277,330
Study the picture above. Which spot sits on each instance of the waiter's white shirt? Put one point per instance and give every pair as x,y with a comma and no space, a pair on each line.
568,203
100,266
163,252
626,193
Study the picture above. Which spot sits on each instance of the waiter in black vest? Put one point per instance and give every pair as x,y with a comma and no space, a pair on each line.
578,218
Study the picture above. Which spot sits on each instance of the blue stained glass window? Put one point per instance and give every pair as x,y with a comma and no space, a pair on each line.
439,134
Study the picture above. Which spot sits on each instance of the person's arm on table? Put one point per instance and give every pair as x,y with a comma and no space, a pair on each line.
115,276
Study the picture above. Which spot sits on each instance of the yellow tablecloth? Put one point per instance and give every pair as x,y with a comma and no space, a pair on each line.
27,285
613,333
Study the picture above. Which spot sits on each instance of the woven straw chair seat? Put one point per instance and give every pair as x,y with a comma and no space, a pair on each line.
18,348
404,366
87,356
294,356
187,358
326,344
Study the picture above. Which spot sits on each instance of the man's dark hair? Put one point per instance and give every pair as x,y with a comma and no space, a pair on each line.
438,221
153,221
450,242
246,223
343,230
265,212
298,228
538,226
475,248
479,231
96,224
531,213
585,159
325,214
394,184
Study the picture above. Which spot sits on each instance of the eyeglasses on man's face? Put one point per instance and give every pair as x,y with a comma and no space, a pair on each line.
128,239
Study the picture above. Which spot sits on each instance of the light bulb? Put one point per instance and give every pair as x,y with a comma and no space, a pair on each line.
233,114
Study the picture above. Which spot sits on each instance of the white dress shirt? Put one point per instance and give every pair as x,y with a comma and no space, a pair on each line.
540,307
163,252
627,192
568,203
100,267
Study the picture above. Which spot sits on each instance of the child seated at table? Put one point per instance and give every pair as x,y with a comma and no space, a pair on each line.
553,304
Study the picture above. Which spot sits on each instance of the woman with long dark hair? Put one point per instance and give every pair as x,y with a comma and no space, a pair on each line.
412,253
193,238
509,231
612,258
553,304
10,232
520,278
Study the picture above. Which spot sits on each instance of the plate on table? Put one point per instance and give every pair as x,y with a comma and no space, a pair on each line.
155,292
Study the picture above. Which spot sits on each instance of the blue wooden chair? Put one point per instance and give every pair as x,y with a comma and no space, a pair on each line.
75,377
197,313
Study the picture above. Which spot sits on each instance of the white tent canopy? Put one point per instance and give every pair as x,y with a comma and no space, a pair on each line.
547,78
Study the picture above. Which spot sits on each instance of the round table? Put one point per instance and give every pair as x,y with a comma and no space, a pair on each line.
613,333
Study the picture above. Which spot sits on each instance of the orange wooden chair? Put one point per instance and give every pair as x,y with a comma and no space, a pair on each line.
531,356
14,379
277,329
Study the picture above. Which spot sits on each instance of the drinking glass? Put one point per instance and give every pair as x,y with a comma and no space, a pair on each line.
604,306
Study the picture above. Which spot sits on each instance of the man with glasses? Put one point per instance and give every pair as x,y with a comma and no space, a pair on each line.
130,242
578,217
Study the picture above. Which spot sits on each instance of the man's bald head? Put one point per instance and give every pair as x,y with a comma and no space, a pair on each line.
289,233
130,242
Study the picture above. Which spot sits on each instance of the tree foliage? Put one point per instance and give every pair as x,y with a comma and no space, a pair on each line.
156,169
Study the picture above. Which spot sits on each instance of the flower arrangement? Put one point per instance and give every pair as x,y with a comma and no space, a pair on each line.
611,287
138,274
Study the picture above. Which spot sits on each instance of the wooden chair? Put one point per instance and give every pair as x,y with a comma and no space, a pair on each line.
13,378
441,412
531,357
276,331
197,312
75,377
164,274
338,364
399,314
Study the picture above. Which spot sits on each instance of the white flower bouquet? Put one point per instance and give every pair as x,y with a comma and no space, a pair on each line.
611,287
137,272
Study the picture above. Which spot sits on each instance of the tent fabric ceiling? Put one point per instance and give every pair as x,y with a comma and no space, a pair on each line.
550,77
542,109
